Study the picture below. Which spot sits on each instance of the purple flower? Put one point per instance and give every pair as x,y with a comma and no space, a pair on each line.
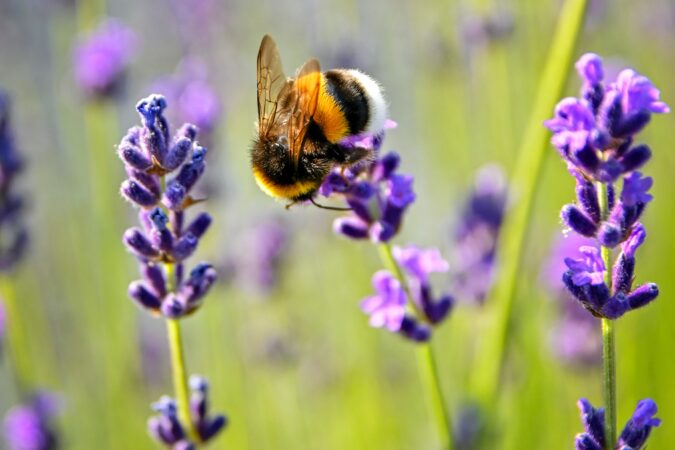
387,307
476,234
639,426
638,94
594,134
635,189
207,426
588,270
419,264
377,195
29,427
590,69
572,124
634,435
150,154
12,226
595,137
257,257
102,58
194,98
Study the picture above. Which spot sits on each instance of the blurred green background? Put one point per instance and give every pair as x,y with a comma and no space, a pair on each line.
299,367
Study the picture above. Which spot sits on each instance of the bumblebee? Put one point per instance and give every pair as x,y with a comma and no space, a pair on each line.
302,120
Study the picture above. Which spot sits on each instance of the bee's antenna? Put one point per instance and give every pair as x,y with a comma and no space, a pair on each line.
332,208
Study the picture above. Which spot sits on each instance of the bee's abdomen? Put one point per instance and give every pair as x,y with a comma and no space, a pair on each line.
350,103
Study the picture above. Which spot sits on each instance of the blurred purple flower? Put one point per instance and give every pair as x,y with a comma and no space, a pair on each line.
207,426
259,253
194,98
14,233
101,59
387,307
476,235
29,427
418,264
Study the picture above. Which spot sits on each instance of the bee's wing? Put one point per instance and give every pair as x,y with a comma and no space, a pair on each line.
305,97
271,82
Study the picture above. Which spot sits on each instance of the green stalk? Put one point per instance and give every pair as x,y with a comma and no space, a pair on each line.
608,339
426,361
178,370
487,369
17,345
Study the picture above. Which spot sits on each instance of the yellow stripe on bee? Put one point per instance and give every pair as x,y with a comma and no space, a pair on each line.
329,116
291,191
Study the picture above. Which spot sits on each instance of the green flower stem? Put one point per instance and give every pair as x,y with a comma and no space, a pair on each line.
17,345
426,361
178,371
608,340
429,374
486,374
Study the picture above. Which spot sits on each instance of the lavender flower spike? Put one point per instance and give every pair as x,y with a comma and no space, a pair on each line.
15,235
150,153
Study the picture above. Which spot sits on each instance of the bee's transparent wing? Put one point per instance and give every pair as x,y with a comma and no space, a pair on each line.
271,83
304,101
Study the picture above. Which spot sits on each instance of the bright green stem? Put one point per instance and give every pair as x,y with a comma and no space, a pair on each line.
608,340
429,374
17,345
486,373
426,360
179,373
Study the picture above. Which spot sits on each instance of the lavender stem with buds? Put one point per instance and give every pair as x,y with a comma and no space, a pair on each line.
378,198
426,360
608,337
162,245
594,135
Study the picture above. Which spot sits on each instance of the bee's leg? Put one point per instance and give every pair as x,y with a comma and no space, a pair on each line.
332,208
288,206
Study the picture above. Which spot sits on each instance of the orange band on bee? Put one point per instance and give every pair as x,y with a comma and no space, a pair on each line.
329,116
291,191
